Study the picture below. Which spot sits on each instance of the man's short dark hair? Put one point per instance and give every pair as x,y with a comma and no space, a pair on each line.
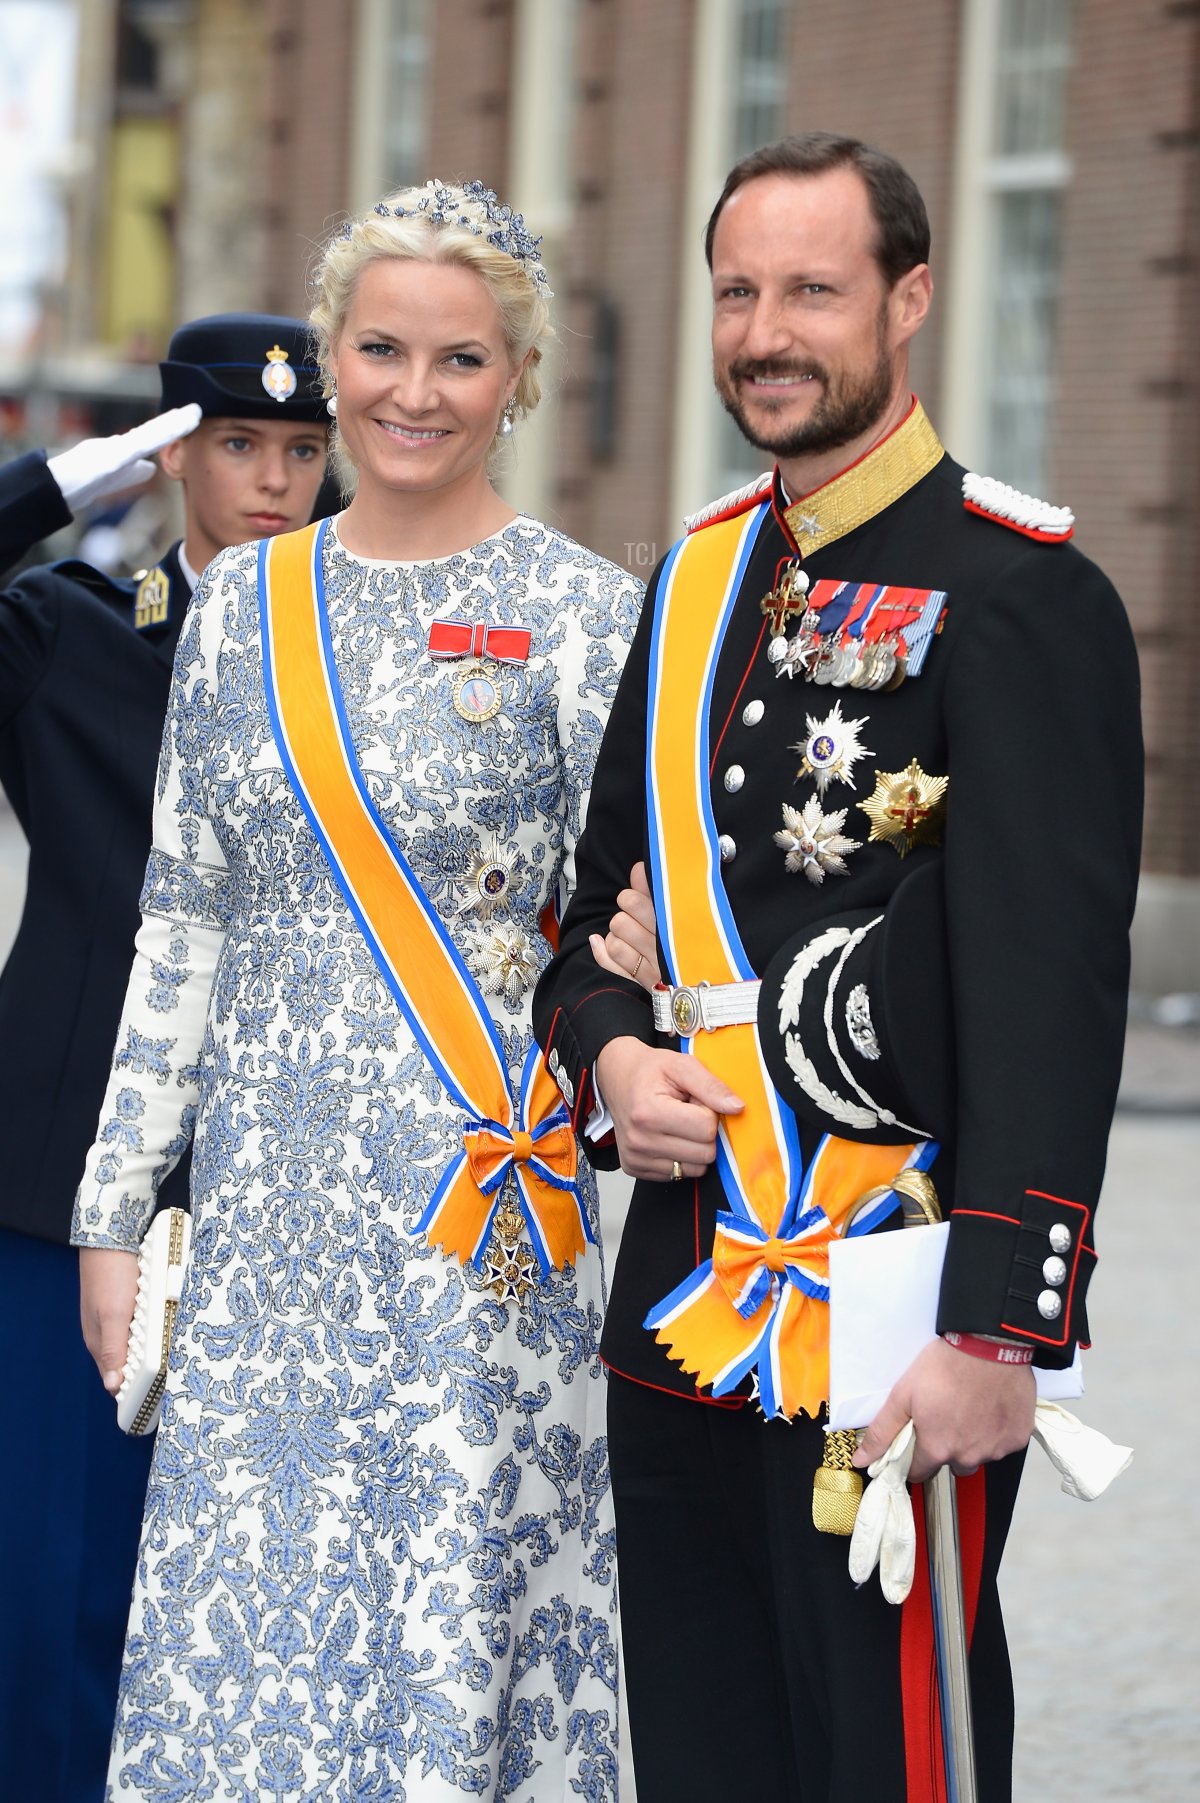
896,204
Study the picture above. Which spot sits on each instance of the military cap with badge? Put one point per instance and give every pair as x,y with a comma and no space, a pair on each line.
236,366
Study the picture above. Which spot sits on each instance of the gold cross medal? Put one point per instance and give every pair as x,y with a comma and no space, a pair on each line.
510,1269
907,808
787,598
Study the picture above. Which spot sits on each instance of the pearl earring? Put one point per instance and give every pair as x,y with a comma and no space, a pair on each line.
505,428
331,405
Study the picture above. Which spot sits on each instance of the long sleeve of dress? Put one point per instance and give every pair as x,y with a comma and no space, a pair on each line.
150,1105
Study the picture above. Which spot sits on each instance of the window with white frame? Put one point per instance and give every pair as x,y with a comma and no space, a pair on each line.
1011,172
406,121
1026,175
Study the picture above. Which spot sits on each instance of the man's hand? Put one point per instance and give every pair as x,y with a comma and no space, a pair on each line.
107,1296
664,1107
630,948
966,1411
105,466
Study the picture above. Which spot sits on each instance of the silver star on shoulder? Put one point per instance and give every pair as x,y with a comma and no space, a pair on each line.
832,748
502,961
814,842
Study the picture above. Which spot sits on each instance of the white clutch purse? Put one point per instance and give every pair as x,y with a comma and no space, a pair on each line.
162,1261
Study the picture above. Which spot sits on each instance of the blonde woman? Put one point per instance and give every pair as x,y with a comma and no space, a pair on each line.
377,1555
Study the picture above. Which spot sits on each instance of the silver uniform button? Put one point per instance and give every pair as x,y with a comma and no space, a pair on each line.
1060,1237
1049,1305
727,848
1054,1271
753,712
552,1064
568,1091
735,776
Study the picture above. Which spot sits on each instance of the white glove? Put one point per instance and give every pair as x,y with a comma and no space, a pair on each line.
1087,1461
103,466
884,1532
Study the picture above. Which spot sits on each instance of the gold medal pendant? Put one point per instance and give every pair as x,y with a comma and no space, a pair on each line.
907,808
509,1268
476,694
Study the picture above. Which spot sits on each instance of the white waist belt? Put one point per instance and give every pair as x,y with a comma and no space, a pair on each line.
706,1007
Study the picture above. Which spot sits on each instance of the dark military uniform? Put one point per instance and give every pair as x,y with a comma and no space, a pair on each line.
1027,703
83,694
85,673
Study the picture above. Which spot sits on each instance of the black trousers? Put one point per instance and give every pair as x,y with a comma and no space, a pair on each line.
754,1668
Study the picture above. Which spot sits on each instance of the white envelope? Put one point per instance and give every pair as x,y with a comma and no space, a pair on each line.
883,1296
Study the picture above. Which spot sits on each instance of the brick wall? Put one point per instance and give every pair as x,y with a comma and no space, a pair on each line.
1125,449
889,76
306,115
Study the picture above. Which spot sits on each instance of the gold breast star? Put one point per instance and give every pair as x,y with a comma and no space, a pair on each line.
907,808
510,1270
814,841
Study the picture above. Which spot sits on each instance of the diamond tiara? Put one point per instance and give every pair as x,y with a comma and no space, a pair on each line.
478,210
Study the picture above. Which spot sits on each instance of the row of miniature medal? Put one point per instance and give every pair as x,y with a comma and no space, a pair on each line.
871,639
499,954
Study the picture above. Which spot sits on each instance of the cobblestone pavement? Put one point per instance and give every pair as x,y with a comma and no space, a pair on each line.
1102,1598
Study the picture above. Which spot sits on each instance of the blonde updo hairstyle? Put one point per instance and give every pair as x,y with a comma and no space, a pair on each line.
422,225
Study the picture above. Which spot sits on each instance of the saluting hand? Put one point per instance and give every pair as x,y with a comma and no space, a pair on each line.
665,1107
108,1282
966,1412
96,467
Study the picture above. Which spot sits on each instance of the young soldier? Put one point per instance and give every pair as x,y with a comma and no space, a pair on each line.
85,670
877,742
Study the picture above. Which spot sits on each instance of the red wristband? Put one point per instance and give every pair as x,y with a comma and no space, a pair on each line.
990,1349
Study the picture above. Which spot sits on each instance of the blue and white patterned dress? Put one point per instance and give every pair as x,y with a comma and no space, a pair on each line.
377,1560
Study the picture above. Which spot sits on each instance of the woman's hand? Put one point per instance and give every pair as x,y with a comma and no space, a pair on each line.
108,1283
630,948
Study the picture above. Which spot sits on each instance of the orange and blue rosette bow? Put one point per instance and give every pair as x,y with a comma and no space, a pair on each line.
759,1305
542,1158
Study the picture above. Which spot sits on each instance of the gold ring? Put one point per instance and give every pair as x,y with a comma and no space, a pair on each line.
638,965
676,1170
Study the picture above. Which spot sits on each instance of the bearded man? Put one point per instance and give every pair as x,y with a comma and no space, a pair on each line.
877,743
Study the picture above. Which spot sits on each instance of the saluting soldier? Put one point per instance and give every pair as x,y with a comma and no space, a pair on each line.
877,743
85,670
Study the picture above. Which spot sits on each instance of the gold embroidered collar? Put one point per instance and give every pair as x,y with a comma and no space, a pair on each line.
868,486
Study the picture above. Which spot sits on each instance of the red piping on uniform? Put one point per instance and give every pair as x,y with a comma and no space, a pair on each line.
986,1214
712,1402
733,706
997,519
1061,1339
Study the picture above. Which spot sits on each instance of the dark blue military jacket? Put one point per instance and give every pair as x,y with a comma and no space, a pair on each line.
1028,704
83,696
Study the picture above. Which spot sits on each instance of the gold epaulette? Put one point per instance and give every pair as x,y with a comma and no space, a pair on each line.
740,501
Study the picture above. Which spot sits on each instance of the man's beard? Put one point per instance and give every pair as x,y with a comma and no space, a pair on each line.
846,410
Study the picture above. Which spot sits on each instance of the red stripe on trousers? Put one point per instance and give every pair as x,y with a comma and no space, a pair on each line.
924,1765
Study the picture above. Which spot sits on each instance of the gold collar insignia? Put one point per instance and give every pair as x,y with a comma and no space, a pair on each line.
868,486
